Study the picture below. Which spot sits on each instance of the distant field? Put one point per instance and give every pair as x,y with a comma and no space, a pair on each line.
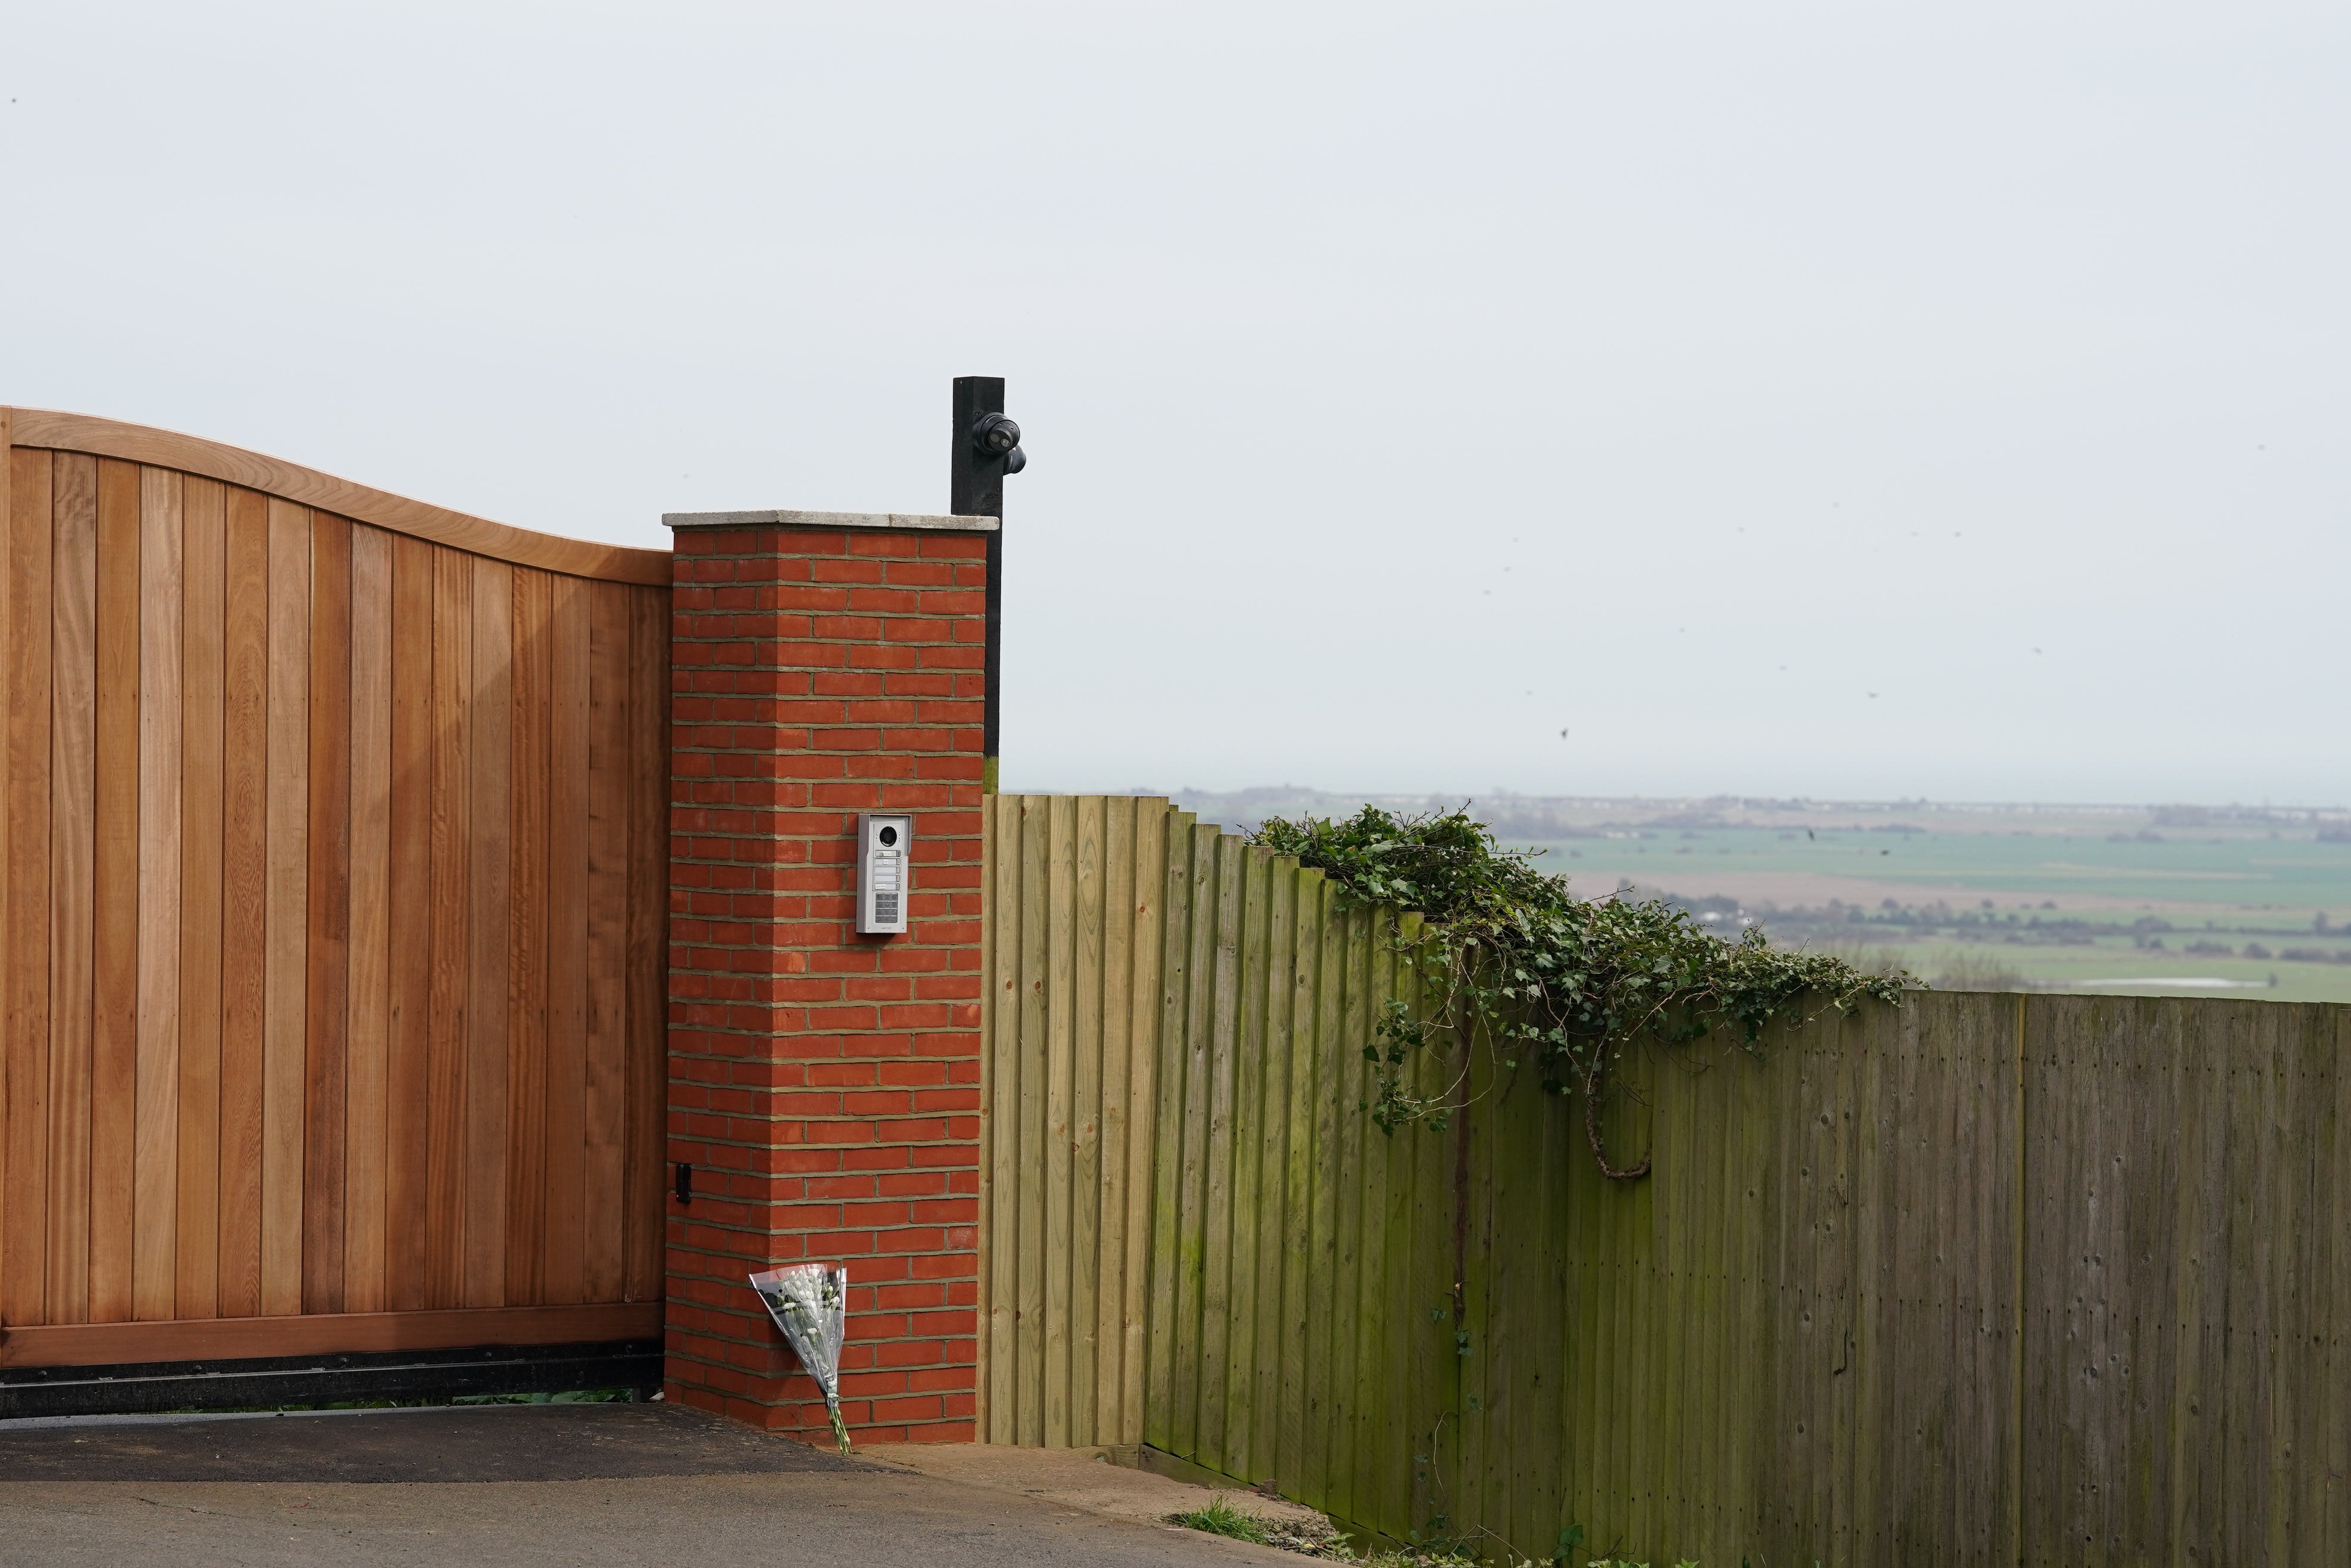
2242,874
2138,901
2066,910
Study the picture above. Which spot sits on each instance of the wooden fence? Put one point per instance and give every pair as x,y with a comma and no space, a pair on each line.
2028,1279
1072,951
1137,960
333,828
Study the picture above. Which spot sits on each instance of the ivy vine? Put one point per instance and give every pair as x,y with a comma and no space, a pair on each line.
1507,958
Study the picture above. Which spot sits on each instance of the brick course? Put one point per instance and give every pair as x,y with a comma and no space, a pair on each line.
825,1085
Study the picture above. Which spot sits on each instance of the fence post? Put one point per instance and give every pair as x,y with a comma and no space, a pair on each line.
985,446
825,1085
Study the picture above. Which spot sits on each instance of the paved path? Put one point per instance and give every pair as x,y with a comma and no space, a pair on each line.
612,1486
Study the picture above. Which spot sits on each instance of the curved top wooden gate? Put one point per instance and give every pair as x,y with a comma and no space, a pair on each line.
333,832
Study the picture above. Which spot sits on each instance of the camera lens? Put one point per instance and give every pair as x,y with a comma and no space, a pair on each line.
888,836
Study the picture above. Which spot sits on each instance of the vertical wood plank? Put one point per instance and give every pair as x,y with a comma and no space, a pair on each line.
1897,1475
328,910
408,1077
245,882
1270,1339
1114,1052
2136,1178
1190,1186
1432,1382
2298,1503
1087,1197
567,950
2261,1137
648,944
114,1013
1222,1129
1306,1087
1061,1075
1994,1111
2202,1086
1798,1365
204,659
2249,1344
2047,1229
1480,1168
1354,1216
1375,1502
368,1034
155,1160
525,1185
608,892
1248,1141
25,924
1395,1456
1334,1095
73,892
1000,1125
286,914
1162,1401
1877,1118
1596,1374
446,1031
1756,1299
490,902
1877,1061
984,1240
2014,1073
1031,1263
1852,1079
1151,834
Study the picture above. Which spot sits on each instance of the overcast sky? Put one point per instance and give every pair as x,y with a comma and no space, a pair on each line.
1834,399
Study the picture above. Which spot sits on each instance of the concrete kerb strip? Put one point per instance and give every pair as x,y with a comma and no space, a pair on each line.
1082,1479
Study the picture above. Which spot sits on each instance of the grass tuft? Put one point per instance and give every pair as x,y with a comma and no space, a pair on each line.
1221,1518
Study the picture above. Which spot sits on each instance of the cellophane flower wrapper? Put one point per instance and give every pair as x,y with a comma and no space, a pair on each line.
809,1302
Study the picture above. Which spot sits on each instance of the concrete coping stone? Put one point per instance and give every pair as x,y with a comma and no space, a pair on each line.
779,519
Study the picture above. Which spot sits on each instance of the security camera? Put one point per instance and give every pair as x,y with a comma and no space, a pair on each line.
993,435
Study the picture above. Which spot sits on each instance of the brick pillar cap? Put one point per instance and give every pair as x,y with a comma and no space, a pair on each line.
827,520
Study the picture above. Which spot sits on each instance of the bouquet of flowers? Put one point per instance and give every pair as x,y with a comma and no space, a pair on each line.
807,1300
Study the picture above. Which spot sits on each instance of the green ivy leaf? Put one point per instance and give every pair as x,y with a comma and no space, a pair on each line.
1507,958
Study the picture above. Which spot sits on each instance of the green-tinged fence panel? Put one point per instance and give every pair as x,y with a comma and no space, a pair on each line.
1981,1278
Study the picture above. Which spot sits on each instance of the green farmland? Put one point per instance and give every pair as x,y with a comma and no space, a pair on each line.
2184,900
1999,900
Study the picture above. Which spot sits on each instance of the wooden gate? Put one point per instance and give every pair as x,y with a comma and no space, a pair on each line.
334,835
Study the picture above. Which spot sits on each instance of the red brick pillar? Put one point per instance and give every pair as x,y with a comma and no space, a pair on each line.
825,1085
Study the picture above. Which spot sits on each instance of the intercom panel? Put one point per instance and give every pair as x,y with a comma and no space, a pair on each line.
886,845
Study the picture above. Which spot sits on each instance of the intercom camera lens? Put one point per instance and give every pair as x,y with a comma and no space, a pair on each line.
888,836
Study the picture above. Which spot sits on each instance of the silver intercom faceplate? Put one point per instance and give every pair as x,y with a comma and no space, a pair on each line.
885,845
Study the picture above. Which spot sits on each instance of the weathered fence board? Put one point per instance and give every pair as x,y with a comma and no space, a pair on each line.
329,840
1076,911
1981,1278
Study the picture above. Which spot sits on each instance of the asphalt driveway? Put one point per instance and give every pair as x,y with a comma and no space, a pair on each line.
628,1485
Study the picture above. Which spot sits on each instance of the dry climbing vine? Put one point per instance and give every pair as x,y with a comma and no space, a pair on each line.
1507,958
